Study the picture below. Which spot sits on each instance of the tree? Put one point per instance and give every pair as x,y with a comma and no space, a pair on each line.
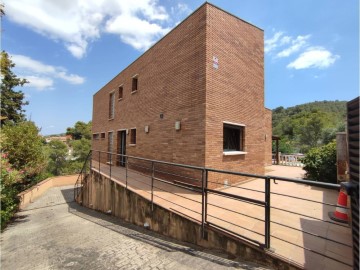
310,129
80,130
23,146
11,101
81,149
57,152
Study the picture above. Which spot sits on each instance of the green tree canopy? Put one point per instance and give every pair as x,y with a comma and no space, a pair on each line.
80,130
309,125
57,152
81,149
12,101
23,146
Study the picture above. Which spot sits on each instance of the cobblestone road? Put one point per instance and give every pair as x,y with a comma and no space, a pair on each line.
56,233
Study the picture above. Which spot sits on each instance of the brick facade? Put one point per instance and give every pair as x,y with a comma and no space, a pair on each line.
178,81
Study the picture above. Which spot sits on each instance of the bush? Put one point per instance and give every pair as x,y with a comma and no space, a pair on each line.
10,177
24,147
320,163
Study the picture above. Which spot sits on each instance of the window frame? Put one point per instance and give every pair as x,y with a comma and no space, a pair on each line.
111,105
240,149
120,97
132,142
96,136
134,79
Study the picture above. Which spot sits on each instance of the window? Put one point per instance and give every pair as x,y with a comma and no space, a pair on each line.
110,145
121,90
96,136
112,105
102,135
134,86
234,138
133,136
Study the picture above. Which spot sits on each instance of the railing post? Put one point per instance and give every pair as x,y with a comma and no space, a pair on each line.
152,184
206,193
267,212
203,203
126,171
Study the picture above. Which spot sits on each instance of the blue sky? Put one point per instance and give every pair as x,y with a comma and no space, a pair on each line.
69,49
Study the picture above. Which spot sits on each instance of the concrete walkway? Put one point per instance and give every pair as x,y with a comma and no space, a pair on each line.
56,233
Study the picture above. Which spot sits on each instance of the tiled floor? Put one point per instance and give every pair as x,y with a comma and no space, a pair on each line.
292,244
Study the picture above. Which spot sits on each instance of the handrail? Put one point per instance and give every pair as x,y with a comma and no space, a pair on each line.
204,191
287,179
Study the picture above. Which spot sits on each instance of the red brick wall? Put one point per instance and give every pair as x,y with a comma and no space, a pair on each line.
234,91
268,132
176,77
171,78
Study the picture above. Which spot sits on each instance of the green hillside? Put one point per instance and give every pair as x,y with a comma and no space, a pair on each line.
308,125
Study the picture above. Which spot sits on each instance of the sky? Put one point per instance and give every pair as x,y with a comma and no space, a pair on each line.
69,49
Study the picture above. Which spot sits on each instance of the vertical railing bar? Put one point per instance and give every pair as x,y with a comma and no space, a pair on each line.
206,193
152,184
267,212
126,171
203,203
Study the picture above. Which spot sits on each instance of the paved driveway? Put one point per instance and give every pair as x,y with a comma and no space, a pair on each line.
56,233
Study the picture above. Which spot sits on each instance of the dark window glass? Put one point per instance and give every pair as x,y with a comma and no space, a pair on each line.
133,136
134,84
233,138
121,89
112,106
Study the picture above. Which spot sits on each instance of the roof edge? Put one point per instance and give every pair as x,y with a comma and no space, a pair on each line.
196,10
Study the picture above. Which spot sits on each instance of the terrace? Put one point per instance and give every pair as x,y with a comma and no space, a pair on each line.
286,217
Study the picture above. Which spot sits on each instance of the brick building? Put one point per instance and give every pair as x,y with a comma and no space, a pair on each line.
196,97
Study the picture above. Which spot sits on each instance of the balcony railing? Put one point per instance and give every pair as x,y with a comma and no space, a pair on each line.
288,160
283,215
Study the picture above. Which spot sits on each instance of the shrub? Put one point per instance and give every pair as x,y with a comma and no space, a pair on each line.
23,145
8,188
320,163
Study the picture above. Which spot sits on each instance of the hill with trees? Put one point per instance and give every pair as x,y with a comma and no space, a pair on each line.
308,125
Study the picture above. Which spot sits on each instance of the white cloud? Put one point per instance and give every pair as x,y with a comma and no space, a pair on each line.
77,23
41,76
307,56
180,8
296,44
314,57
141,35
39,83
272,43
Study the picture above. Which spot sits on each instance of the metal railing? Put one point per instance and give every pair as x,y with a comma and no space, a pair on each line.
213,193
82,176
288,160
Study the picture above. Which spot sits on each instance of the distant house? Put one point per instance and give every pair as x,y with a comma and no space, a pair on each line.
63,139
196,97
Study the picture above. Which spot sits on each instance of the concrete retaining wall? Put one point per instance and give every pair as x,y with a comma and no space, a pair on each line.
102,194
29,195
